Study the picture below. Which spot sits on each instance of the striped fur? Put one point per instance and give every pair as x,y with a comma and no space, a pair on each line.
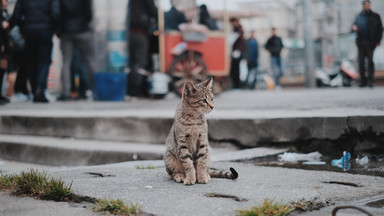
187,157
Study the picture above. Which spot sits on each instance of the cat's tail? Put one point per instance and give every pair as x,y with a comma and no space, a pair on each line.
232,174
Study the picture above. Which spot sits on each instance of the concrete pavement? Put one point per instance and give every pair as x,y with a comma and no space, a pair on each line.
158,194
240,118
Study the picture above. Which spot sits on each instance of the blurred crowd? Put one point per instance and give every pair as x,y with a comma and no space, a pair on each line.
26,46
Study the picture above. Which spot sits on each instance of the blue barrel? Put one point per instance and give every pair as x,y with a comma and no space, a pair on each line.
109,86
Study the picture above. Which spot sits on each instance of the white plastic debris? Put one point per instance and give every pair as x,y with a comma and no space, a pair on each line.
314,163
295,157
362,161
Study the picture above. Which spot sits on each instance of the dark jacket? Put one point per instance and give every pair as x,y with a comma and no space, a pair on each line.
374,28
173,18
206,19
37,14
76,16
274,45
239,43
141,13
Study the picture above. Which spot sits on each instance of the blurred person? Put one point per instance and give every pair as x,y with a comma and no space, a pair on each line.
274,45
369,31
17,62
75,32
38,21
173,18
21,91
252,59
4,47
206,19
141,13
238,48
78,69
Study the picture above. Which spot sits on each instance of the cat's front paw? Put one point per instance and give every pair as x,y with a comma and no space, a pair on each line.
189,181
178,177
204,179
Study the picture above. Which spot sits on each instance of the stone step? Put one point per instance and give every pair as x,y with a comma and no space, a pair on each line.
74,152
244,132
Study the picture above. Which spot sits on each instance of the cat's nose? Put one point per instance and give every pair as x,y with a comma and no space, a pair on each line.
211,106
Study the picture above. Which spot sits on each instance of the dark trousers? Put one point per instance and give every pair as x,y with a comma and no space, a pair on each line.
79,69
38,49
366,50
235,72
22,76
138,54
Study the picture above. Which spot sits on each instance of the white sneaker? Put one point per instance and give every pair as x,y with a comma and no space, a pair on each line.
20,97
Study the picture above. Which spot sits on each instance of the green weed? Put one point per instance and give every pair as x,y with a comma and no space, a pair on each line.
6,181
36,184
145,167
116,207
268,208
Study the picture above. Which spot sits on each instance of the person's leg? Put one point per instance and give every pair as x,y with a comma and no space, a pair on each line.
275,70
77,67
254,73
280,69
66,46
83,43
235,72
2,98
139,51
21,78
74,72
371,65
30,59
44,61
361,60
249,72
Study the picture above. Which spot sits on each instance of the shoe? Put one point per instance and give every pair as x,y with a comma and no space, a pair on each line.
4,100
20,97
81,97
40,98
363,84
63,98
371,85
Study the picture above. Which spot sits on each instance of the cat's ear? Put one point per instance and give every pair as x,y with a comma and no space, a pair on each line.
208,83
189,88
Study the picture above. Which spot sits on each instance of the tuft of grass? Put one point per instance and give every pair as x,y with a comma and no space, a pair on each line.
36,184
116,207
6,181
145,167
268,208
302,205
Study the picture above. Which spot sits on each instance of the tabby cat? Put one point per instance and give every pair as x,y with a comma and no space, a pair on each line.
187,156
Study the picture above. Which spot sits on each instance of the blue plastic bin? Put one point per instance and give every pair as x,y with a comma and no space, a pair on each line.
109,86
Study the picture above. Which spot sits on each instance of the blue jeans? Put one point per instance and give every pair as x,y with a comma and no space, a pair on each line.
78,68
252,72
277,69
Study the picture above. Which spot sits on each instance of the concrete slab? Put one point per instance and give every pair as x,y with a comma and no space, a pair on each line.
158,194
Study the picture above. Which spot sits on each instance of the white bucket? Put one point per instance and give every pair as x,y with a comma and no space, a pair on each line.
159,84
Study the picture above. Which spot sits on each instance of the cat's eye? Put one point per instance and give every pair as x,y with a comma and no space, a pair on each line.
205,101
